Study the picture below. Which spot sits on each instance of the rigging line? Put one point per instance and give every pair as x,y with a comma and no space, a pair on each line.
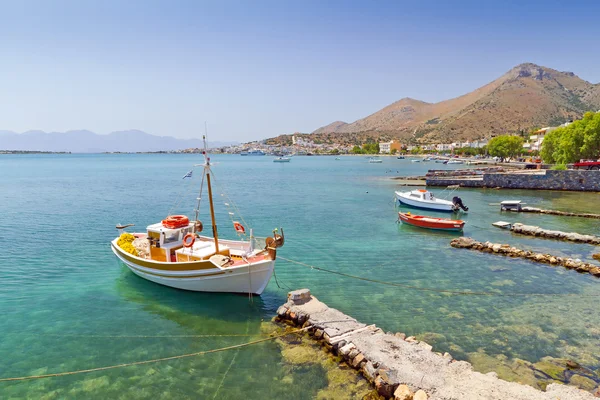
235,207
425,289
183,193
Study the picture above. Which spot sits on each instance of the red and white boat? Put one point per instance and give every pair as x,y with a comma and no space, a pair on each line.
423,221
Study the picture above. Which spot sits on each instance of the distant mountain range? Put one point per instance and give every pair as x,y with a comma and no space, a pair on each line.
83,141
526,96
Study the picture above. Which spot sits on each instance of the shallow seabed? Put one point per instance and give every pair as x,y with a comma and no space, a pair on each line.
68,305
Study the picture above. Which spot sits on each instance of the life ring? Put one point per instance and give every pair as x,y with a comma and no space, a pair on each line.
239,227
188,240
175,221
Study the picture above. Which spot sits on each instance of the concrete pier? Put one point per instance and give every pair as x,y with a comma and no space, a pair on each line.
531,230
509,251
561,213
401,367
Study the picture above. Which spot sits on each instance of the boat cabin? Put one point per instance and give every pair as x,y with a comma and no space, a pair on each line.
166,244
421,194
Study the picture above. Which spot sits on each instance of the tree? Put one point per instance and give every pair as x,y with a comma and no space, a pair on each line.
505,146
570,143
394,151
356,150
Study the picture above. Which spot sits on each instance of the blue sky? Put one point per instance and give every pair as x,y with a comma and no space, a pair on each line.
256,69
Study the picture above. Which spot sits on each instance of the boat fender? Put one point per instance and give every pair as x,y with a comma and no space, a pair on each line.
198,226
188,240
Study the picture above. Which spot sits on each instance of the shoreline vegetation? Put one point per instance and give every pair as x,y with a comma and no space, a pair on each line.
32,152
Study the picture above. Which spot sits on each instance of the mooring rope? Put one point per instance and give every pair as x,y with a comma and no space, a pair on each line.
199,353
427,289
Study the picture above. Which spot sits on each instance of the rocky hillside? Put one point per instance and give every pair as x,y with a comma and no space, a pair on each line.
526,96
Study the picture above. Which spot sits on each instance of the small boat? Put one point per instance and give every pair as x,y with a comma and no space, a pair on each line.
373,160
424,199
441,161
426,159
456,162
281,159
173,253
337,158
423,221
416,160
400,157
256,152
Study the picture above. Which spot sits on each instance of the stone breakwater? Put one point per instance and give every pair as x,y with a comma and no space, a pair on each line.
561,213
573,180
403,368
509,251
531,230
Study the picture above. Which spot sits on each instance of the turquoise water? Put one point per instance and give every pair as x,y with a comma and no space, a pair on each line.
68,305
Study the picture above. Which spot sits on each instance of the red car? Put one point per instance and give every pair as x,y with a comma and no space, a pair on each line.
587,164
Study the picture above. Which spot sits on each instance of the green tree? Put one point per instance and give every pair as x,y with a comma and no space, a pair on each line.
394,151
356,150
505,146
569,144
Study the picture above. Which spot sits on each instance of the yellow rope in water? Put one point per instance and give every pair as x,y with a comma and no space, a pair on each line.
199,353
426,289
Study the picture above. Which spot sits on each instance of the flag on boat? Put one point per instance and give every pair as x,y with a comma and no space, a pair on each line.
188,175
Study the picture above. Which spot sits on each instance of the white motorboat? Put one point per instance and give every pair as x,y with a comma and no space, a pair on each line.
373,160
421,198
173,253
281,159
416,160
455,162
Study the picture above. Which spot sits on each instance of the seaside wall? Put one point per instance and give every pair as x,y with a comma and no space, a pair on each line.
574,180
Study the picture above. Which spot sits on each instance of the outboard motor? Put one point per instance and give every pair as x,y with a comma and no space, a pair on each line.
457,201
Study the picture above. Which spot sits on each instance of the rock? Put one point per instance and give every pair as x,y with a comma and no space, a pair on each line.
345,351
596,392
299,296
425,346
383,388
553,260
358,360
400,335
551,367
582,382
353,353
319,333
596,256
420,395
369,371
496,248
573,364
595,271
281,311
403,393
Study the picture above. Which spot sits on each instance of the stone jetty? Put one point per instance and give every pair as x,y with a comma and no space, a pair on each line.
510,251
404,368
531,230
561,213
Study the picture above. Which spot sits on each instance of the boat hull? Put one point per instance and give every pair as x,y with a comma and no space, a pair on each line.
247,278
439,205
442,224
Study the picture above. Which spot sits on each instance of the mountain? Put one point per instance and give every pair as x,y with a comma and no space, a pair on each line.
83,141
526,96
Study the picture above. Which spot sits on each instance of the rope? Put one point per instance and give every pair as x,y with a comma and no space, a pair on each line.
237,210
135,336
199,353
426,289
230,365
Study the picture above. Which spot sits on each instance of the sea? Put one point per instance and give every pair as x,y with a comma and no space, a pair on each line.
67,304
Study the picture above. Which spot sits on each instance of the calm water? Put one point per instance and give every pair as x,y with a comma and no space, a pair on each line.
66,304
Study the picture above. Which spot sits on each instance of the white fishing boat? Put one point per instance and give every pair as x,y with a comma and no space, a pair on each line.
281,159
421,198
173,253
374,160
416,160
455,162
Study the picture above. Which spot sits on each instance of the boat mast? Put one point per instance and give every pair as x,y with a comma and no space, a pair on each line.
210,197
